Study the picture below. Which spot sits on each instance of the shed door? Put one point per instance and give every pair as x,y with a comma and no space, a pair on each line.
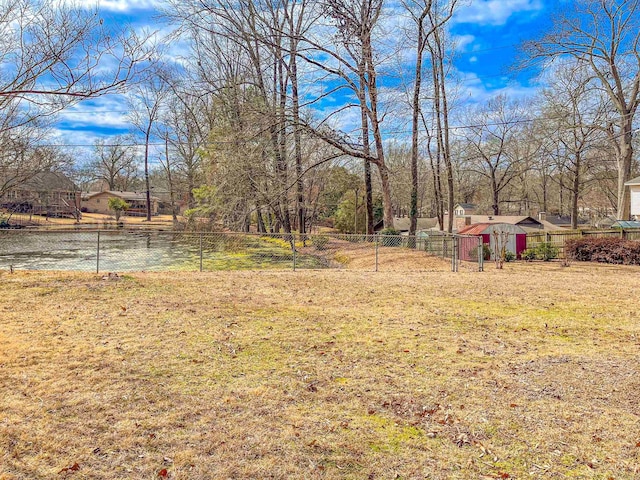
521,243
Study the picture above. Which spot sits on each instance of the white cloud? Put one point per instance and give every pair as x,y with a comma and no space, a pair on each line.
494,12
108,112
461,42
120,5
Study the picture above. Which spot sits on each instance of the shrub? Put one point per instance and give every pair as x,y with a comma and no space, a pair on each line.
543,251
118,205
546,251
509,256
390,237
604,250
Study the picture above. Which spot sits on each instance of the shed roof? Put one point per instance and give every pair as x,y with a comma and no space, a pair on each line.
485,228
626,224
523,221
477,229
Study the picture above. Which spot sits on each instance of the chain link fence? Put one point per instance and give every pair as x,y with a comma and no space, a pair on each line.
119,251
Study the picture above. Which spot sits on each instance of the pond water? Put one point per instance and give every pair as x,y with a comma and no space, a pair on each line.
144,251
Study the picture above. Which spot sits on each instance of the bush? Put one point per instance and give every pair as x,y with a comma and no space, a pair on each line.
118,205
604,250
509,256
543,251
390,237
546,251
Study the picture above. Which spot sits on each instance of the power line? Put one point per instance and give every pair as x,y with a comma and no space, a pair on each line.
235,142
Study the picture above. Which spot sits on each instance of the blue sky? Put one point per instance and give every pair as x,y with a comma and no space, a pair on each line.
492,31
488,33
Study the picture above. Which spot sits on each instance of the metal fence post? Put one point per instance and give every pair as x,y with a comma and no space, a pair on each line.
293,246
201,251
98,254
480,254
453,255
377,239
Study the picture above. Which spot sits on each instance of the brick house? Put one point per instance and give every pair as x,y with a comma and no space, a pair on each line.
98,202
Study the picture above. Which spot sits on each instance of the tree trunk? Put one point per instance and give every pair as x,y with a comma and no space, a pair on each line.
624,168
282,141
261,226
386,196
146,171
413,212
366,149
174,214
293,73
446,145
496,196
377,134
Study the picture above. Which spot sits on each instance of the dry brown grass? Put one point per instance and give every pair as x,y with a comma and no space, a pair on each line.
530,372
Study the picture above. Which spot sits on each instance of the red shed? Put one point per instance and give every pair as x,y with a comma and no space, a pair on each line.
516,243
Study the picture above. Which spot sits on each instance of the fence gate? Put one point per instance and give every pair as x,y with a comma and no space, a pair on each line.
467,249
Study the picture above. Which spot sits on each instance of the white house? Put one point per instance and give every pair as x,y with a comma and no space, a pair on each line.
634,187
462,209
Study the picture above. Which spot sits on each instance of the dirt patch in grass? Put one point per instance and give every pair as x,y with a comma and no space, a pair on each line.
529,372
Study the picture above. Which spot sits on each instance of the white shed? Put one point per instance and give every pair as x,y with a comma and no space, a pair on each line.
634,187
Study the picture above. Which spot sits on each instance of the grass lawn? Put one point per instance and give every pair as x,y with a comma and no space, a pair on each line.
529,372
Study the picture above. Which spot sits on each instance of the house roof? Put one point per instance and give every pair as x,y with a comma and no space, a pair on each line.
633,181
522,220
604,222
467,206
132,196
563,220
47,182
402,224
483,228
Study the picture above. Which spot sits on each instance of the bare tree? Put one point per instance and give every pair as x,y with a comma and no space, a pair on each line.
577,109
490,139
146,103
114,162
429,17
352,62
604,34
53,54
